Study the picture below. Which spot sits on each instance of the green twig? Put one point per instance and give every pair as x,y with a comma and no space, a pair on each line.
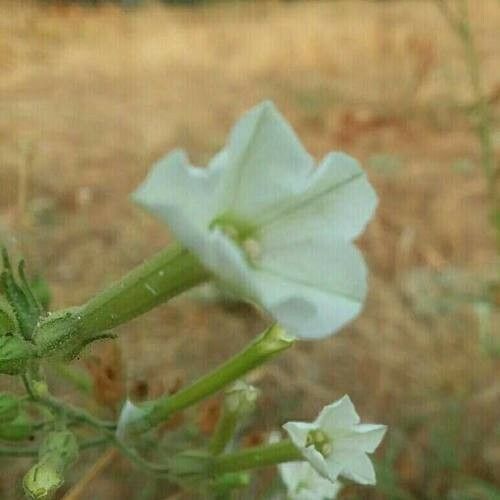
267,345
75,413
32,451
259,456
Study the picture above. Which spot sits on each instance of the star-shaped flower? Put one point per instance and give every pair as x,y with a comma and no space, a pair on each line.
269,224
304,483
336,444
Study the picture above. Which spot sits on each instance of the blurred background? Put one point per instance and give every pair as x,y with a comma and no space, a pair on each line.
91,93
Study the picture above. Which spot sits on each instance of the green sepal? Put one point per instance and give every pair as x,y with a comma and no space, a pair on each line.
19,295
41,291
8,322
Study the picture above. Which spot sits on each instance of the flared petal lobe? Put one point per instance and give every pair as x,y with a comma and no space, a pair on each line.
336,197
314,286
338,415
268,163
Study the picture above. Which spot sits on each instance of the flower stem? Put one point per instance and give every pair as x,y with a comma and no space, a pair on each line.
160,278
224,432
264,347
75,413
32,451
259,456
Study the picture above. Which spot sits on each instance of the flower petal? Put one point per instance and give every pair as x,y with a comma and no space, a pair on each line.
319,464
298,431
312,287
338,415
355,466
172,183
338,198
268,162
364,437
290,473
218,253
304,483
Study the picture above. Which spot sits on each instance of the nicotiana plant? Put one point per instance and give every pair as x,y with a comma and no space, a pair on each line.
277,231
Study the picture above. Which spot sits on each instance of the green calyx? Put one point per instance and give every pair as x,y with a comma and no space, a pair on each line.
57,334
20,297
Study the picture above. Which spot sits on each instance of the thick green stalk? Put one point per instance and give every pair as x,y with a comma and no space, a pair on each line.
259,456
264,347
160,278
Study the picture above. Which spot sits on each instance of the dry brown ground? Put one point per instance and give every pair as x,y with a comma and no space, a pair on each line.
89,98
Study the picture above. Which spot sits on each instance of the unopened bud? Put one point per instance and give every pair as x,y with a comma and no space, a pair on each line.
9,407
241,398
57,452
17,429
15,352
43,479
62,445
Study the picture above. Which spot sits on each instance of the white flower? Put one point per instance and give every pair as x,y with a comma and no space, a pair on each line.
304,483
268,224
336,444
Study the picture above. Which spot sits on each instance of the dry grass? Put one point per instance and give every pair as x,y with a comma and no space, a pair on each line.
89,98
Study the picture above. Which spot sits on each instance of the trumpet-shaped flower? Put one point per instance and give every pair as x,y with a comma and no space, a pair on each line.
304,483
269,224
336,444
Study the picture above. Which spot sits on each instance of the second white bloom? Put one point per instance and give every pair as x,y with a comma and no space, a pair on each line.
336,444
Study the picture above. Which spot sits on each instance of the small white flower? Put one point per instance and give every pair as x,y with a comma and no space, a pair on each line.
268,224
336,444
304,483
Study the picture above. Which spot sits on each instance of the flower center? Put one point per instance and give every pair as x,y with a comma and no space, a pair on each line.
242,233
320,441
